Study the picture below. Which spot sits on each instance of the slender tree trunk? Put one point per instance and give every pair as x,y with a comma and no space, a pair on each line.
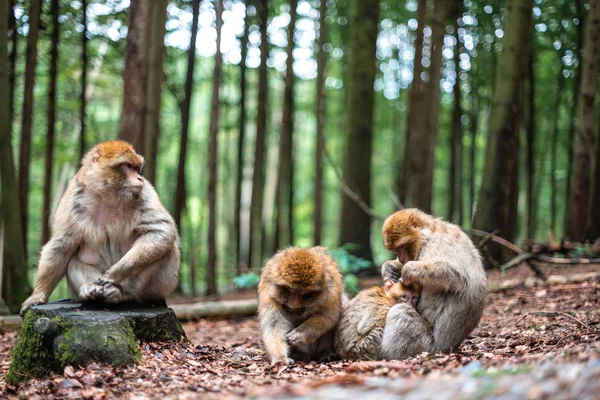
180,193
497,204
156,52
27,113
135,75
321,113
424,122
258,177
575,104
15,287
242,259
54,12
285,210
417,92
579,211
211,282
355,224
12,69
594,230
84,65
553,150
455,198
474,119
529,55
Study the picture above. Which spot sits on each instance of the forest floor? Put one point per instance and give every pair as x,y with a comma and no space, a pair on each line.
535,342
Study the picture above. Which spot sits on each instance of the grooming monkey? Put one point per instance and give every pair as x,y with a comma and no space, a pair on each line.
440,257
113,238
299,304
361,326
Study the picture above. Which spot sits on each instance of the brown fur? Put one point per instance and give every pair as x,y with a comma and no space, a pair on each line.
300,300
363,318
443,260
112,238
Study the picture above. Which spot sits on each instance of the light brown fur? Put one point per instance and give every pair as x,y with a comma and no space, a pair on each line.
441,258
363,318
300,300
113,238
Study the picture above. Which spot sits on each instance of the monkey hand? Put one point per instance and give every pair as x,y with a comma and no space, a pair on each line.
33,300
410,273
90,291
390,271
112,292
282,363
296,338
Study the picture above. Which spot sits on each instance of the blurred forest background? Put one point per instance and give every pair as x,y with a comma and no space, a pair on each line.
479,111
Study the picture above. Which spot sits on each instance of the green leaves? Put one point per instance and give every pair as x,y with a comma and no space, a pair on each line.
349,265
247,281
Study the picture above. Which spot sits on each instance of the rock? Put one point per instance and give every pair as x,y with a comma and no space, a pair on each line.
63,333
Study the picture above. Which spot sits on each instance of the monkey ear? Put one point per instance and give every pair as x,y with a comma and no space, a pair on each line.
388,286
415,221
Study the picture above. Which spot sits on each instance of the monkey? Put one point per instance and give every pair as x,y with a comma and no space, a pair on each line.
360,330
112,238
440,257
300,296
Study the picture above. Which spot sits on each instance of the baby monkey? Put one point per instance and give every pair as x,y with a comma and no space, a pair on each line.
360,330
299,304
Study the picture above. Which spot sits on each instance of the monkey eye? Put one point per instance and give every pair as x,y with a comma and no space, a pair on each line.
311,295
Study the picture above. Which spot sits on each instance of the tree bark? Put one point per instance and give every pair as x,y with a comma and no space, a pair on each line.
135,75
321,113
15,287
474,124
84,64
455,183
529,55
594,229
285,187
497,204
27,113
355,224
180,192
242,259
54,12
421,140
156,52
211,282
417,91
575,93
258,177
12,69
553,148
579,204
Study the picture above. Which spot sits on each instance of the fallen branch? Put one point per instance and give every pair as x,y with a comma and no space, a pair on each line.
229,308
535,281
553,314
516,261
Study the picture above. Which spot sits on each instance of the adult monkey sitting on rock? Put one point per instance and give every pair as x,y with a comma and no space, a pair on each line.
112,237
440,257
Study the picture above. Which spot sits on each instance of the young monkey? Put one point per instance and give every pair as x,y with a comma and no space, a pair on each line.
299,304
360,330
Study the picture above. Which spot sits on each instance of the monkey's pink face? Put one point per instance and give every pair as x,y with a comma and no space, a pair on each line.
132,179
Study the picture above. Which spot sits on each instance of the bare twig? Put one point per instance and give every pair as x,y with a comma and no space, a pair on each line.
487,238
553,314
516,261
349,192
395,199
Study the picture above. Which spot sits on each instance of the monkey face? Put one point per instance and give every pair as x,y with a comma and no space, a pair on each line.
296,301
397,292
131,182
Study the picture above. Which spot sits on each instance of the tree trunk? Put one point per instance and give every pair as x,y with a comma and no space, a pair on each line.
27,113
135,75
156,51
285,200
84,64
530,134
242,259
258,177
553,149
12,69
455,183
417,91
579,204
211,282
355,224
15,287
54,12
180,193
321,113
474,124
594,229
572,120
497,204
424,121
